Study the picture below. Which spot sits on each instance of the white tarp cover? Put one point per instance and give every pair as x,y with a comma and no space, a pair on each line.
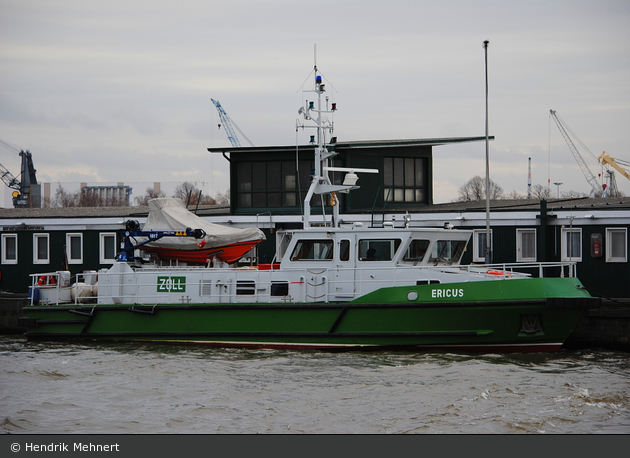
169,214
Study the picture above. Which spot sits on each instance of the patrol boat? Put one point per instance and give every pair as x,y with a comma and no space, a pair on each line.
332,286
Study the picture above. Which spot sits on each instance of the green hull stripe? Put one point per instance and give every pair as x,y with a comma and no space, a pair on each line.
501,290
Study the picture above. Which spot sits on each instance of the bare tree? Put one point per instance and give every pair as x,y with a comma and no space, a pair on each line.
475,189
185,191
577,194
191,195
514,195
223,199
541,192
149,194
64,198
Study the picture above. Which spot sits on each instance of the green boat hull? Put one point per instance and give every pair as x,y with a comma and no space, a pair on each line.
507,316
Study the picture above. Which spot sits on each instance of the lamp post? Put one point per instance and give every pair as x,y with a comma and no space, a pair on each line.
488,248
558,188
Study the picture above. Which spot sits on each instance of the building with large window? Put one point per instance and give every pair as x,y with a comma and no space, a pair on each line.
276,179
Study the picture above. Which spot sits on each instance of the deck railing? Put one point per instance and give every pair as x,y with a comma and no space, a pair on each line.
242,285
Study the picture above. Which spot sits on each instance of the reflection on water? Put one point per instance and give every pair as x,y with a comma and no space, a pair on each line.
137,388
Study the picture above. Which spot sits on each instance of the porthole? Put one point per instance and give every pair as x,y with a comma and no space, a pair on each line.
412,296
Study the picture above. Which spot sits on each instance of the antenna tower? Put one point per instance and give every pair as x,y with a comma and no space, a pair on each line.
529,178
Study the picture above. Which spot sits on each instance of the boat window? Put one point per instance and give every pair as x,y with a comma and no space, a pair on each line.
447,251
285,240
416,251
344,250
245,288
280,288
378,250
313,250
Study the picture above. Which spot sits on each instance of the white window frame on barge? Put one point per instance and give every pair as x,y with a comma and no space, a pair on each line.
477,244
564,245
36,258
522,247
616,244
103,259
73,257
5,242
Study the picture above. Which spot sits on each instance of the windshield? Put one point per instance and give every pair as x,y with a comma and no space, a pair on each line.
416,251
447,251
313,250
378,250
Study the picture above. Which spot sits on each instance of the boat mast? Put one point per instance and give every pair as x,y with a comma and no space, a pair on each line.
321,182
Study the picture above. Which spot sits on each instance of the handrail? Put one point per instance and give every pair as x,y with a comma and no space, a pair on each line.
222,285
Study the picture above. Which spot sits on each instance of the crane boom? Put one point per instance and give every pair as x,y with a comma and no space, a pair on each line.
28,191
227,124
578,157
9,179
606,159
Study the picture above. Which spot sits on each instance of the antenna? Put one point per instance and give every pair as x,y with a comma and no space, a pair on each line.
315,56
529,178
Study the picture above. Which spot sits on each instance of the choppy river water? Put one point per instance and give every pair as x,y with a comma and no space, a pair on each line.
60,388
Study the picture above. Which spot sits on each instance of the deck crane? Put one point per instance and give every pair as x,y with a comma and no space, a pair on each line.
590,178
27,192
227,123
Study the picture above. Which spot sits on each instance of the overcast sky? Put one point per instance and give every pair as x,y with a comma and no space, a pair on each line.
120,90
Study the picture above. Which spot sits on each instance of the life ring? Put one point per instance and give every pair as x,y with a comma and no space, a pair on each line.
46,280
498,272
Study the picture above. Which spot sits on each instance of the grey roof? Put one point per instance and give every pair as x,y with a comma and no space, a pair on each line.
350,145
620,203
583,203
95,212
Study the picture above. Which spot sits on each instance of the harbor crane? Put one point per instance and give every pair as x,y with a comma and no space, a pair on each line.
26,191
227,124
622,167
590,178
